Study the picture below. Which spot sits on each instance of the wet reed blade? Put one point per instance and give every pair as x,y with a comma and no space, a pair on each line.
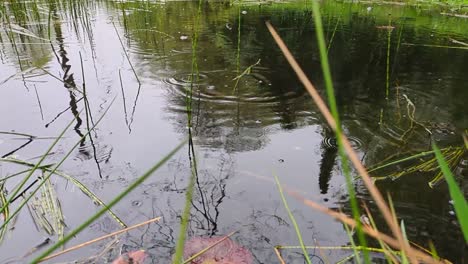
390,255
452,155
387,70
55,168
77,183
114,201
46,211
293,221
75,87
36,166
435,46
338,130
55,210
6,212
404,259
355,254
194,78
126,54
459,202
359,248
247,71
179,251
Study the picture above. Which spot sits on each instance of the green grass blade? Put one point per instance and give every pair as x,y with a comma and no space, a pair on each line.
293,221
6,212
119,197
404,258
179,253
459,201
334,110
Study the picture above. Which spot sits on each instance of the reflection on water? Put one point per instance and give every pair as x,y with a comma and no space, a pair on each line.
250,117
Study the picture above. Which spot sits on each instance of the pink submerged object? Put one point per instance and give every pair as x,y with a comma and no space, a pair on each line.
225,252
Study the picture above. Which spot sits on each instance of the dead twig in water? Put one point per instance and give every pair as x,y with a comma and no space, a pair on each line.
99,239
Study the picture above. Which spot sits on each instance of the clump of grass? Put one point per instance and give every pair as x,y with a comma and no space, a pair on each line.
114,201
400,242
50,172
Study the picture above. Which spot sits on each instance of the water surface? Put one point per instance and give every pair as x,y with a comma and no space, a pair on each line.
394,85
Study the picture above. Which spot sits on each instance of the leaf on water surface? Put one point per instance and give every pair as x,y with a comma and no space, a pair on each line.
225,252
134,257
46,211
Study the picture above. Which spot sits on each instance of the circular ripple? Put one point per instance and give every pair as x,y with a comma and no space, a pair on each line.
219,87
331,142
184,79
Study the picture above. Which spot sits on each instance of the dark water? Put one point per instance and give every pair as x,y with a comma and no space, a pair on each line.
245,130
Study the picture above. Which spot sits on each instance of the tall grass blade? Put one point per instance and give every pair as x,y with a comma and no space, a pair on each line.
6,212
114,201
179,253
194,78
459,201
293,221
338,132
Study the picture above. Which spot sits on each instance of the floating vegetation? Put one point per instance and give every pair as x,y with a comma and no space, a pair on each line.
46,211
77,183
423,162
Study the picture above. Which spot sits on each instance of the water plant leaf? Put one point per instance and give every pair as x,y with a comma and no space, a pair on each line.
225,252
46,211
459,201
134,257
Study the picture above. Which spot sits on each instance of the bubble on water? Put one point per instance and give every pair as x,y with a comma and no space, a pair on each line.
137,203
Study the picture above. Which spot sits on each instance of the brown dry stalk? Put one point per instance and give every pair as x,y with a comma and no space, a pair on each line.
99,239
201,252
278,254
376,195
366,229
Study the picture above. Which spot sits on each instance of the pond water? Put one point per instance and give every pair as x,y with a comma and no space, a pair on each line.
251,119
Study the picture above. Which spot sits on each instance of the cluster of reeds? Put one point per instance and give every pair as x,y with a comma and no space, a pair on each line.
397,248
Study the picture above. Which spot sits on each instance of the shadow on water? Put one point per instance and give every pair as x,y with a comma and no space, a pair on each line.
243,126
